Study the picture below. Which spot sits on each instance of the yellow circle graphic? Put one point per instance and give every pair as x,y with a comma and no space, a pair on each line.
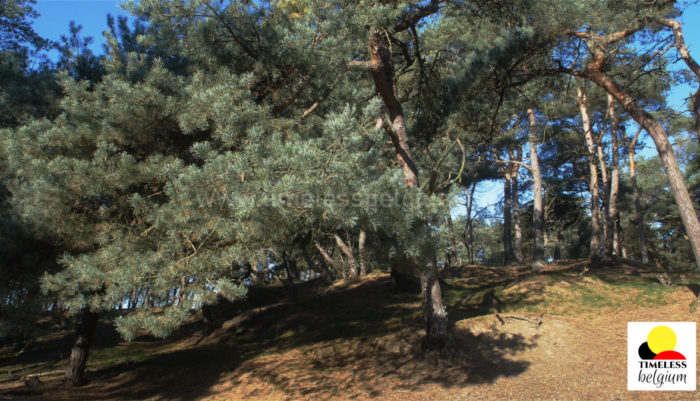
660,339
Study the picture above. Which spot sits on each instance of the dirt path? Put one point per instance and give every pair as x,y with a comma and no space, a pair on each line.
565,358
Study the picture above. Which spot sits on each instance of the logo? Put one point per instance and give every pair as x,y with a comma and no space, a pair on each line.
661,356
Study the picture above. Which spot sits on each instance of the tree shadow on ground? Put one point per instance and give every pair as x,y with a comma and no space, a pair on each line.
347,338
477,291
375,368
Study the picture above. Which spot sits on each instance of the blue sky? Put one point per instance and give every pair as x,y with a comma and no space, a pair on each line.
55,15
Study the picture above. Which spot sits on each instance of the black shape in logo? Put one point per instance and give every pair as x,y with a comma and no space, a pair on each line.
645,352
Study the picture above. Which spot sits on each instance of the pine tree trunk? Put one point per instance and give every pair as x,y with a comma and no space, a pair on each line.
593,180
613,217
607,234
361,252
665,151
75,372
354,272
132,300
452,251
507,228
637,204
434,313
559,247
469,229
382,68
326,257
515,196
289,270
537,202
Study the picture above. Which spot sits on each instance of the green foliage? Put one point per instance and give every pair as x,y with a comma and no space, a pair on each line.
218,143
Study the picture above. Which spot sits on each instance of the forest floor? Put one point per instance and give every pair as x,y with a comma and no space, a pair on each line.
558,334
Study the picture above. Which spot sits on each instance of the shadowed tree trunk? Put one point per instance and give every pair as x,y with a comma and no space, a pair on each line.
290,269
560,247
326,257
75,372
515,196
593,180
537,202
361,252
452,251
637,204
507,227
469,224
354,273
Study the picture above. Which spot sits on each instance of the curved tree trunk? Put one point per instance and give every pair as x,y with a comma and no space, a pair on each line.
326,258
537,202
593,180
665,150
75,372
679,43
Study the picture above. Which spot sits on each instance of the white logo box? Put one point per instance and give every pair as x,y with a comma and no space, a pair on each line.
657,375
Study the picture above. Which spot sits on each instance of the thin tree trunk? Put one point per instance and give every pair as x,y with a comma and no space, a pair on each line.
75,372
382,67
607,235
354,273
452,251
593,183
515,196
560,247
538,209
132,300
637,204
613,247
665,151
621,239
469,229
361,252
507,223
